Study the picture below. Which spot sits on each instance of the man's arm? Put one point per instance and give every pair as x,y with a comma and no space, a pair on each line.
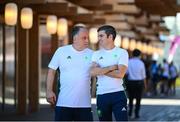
119,73
50,95
145,85
96,70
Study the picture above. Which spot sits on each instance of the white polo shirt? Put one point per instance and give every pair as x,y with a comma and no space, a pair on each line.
136,69
104,58
74,76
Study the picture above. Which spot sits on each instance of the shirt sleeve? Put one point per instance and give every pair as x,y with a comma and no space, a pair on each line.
123,59
54,63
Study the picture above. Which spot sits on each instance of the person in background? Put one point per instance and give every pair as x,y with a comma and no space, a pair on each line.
74,62
165,78
147,65
172,80
136,81
109,65
154,77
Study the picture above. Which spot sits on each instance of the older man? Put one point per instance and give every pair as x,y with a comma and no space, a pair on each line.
74,62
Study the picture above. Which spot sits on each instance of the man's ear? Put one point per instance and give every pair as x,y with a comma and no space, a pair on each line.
75,38
111,36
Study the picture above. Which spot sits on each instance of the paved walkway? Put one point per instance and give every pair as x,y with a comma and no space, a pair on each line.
159,108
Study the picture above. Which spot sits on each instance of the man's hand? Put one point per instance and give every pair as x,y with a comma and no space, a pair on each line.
113,67
97,70
117,71
145,86
51,97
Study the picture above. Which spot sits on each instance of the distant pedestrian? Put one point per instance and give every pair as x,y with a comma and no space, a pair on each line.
136,81
173,73
165,78
154,77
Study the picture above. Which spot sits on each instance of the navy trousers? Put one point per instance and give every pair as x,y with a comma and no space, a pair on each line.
115,103
73,114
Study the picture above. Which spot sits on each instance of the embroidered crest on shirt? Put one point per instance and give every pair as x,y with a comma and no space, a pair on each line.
86,58
69,57
101,58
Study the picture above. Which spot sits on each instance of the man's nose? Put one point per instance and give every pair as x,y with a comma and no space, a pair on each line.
87,40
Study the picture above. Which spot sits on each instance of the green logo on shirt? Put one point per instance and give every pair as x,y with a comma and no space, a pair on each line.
69,57
115,56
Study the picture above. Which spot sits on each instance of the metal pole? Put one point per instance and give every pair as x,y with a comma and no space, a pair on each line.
15,71
4,67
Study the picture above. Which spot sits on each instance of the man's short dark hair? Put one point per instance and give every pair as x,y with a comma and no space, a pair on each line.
136,52
164,60
75,30
108,30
